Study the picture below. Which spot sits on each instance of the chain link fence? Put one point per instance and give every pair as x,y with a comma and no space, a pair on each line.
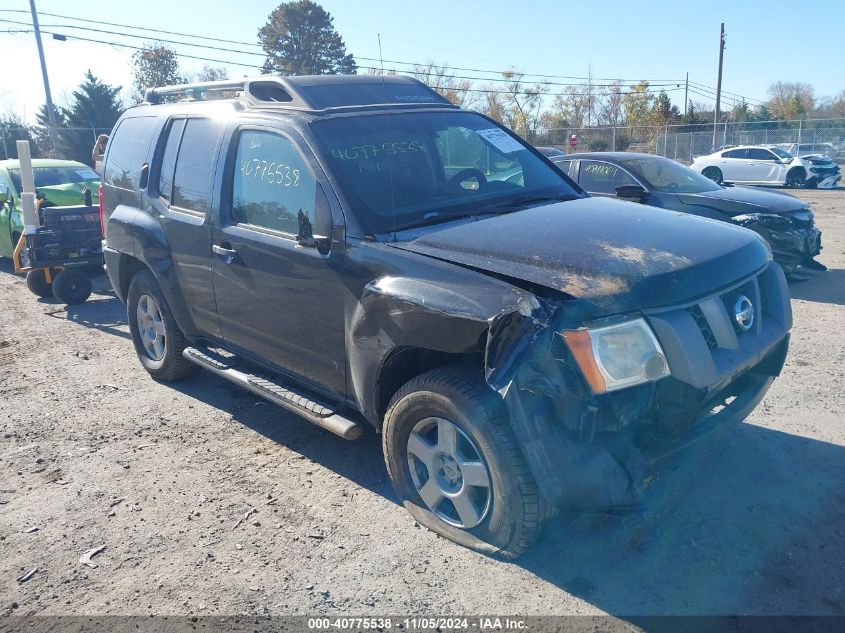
70,143
684,142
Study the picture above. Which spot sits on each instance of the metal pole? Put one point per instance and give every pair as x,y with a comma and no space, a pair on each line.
51,114
719,81
686,96
614,138
798,146
665,138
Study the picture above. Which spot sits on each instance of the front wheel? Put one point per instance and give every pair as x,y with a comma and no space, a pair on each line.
795,178
158,340
456,465
714,174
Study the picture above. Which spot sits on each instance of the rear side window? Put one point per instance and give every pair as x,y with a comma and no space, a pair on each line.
192,176
128,151
272,183
760,154
563,165
168,158
598,177
735,153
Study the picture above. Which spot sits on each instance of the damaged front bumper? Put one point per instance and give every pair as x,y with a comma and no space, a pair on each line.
595,452
792,241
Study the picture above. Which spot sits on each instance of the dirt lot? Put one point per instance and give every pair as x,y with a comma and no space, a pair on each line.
94,453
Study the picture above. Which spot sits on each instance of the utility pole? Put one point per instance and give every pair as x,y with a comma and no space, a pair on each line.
51,114
686,95
719,82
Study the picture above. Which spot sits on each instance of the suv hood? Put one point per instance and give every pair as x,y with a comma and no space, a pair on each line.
617,256
738,200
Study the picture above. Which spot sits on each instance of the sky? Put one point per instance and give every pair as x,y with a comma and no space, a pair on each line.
658,40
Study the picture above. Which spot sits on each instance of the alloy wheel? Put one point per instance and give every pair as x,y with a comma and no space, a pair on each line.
449,472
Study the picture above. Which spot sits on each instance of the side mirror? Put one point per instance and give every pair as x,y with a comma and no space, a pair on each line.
635,192
4,196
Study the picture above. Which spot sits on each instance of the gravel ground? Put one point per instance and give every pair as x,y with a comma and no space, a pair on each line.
209,501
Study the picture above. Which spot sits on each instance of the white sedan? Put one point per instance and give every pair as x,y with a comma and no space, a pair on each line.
763,165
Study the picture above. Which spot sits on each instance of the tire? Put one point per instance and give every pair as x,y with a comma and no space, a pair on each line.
162,360
72,287
36,281
714,174
508,512
795,178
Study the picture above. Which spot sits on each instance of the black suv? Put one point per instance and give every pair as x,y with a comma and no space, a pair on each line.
362,252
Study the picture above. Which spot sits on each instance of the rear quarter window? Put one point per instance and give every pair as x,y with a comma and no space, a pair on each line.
127,151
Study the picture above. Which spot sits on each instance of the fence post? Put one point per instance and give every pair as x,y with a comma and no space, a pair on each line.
614,138
665,139
5,149
725,134
798,146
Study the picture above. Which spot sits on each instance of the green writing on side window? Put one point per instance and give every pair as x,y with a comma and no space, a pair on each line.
368,152
270,172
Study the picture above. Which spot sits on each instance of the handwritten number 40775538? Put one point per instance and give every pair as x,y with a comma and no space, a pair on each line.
269,172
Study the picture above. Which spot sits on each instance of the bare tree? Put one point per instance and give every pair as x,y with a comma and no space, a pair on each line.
212,73
439,77
611,105
524,104
790,100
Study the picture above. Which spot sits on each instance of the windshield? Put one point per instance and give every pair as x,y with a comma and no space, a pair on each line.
51,176
780,153
663,174
410,169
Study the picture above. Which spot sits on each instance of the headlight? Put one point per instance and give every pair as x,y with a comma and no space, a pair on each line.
617,356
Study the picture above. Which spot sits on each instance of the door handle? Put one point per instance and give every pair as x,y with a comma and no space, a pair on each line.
226,254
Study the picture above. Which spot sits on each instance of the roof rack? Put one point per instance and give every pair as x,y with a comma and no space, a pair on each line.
312,93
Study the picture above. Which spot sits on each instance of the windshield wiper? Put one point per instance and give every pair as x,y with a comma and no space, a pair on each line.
522,201
433,217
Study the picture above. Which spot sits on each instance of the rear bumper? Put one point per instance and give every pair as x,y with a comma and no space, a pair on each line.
112,260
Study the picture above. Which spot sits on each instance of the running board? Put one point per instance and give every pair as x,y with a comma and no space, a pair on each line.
315,412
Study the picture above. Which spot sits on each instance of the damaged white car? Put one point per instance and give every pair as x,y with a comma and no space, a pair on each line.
768,165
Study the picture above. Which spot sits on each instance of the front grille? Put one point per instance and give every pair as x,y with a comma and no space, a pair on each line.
704,326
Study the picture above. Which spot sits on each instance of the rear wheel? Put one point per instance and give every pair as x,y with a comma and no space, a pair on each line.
795,177
714,174
37,283
72,287
158,340
456,465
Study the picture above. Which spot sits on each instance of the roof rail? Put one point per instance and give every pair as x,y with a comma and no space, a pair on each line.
260,89
313,93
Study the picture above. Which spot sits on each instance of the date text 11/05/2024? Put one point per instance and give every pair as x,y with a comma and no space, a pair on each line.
417,624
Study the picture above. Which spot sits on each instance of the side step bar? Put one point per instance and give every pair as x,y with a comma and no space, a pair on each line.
315,412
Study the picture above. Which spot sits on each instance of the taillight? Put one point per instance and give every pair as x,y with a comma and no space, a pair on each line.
102,219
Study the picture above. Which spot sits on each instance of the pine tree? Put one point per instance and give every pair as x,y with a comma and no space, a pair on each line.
299,39
94,110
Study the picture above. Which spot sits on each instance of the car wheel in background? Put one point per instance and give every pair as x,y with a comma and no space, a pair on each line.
713,173
72,287
157,339
795,177
456,465
36,281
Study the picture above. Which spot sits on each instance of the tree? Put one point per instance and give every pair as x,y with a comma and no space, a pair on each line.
523,104
44,139
13,128
154,65
790,100
611,105
94,109
637,105
837,106
299,39
438,77
212,73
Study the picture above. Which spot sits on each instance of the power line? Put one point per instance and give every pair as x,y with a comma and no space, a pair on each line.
370,59
415,72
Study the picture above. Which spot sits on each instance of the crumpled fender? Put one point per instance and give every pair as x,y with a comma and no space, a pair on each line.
466,313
